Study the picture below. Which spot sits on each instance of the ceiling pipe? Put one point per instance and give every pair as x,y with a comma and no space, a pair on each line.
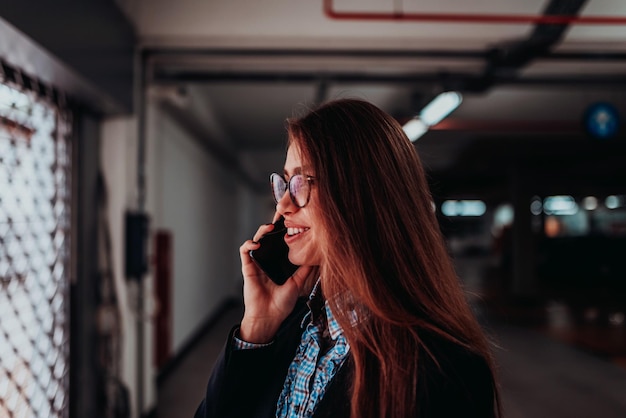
474,18
162,53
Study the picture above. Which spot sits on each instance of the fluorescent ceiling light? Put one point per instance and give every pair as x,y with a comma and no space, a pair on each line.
440,107
414,129
463,208
612,202
560,205
434,112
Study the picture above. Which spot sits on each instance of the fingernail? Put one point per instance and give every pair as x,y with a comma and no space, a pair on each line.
269,223
255,242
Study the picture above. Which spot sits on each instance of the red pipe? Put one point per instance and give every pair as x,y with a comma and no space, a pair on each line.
474,18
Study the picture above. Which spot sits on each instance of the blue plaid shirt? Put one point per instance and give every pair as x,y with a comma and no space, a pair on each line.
322,351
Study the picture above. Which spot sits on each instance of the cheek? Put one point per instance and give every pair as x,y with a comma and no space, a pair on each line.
317,243
312,252
317,231
313,214
312,211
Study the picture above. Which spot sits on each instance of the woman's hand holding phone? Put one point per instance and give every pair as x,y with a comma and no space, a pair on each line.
267,304
272,256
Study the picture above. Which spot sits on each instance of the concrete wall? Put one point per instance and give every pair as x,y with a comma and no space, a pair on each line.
119,166
195,198
209,213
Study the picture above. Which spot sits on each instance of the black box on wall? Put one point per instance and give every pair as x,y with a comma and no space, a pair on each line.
137,224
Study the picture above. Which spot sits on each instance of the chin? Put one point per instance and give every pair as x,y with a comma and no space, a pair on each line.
301,259
294,259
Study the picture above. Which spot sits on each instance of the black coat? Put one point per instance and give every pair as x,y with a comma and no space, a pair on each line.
247,383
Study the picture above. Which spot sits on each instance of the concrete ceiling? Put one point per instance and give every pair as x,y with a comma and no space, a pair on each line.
525,85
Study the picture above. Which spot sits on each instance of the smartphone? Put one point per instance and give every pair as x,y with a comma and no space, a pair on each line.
272,257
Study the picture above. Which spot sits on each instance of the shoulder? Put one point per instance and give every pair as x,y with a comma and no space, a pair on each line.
454,362
454,381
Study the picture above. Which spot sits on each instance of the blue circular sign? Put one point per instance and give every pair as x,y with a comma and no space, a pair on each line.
602,120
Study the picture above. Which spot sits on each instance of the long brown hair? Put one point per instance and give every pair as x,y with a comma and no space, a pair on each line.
385,264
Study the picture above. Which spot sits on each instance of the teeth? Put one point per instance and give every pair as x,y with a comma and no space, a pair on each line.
295,231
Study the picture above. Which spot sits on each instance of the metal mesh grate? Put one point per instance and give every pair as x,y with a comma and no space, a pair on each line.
34,256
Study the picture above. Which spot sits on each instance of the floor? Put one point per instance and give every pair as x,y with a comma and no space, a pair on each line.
544,369
182,390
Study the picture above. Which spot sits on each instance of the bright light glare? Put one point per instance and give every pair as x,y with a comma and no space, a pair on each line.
504,215
463,208
590,203
560,205
440,107
414,129
612,202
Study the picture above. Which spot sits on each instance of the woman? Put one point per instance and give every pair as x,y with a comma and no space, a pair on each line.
385,330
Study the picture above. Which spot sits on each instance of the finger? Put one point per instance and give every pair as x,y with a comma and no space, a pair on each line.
248,266
246,247
263,229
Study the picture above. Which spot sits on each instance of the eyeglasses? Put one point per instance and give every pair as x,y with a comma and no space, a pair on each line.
299,186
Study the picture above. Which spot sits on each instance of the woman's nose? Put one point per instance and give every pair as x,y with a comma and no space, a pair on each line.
285,205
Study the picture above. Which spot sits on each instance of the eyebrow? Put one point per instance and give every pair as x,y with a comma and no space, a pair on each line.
297,170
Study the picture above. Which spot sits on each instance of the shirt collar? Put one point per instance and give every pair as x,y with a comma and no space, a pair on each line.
316,293
316,300
315,303
334,329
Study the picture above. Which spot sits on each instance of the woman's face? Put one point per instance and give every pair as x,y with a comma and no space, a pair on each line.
303,229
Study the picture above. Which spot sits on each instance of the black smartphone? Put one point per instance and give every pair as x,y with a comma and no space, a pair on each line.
272,255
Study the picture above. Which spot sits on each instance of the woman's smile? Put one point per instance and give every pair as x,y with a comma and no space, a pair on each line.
294,234
295,231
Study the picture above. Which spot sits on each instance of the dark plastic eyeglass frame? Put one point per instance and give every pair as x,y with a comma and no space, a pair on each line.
309,179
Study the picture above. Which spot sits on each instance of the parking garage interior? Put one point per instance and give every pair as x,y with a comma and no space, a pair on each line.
137,137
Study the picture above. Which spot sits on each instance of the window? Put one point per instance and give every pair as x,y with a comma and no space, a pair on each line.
34,255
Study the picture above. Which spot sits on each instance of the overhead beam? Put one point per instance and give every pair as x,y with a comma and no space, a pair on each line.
159,57
208,76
